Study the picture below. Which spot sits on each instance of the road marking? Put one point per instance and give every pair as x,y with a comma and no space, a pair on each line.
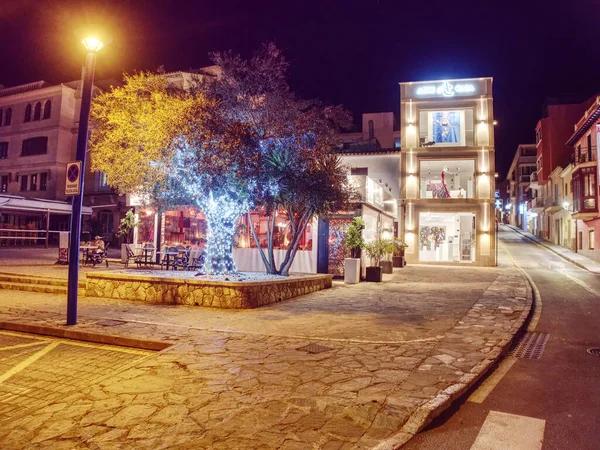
24,364
33,344
581,283
502,431
490,383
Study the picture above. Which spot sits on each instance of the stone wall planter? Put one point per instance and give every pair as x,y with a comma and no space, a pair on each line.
200,292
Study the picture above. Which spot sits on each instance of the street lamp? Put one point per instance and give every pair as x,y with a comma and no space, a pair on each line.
92,45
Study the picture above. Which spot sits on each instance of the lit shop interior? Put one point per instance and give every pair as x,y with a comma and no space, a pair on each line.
447,178
446,237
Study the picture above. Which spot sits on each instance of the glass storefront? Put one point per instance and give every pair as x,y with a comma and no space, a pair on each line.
446,237
447,179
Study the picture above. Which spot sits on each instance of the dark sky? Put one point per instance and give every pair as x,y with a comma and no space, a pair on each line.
352,52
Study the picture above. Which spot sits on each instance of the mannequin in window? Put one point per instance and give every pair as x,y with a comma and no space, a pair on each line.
446,192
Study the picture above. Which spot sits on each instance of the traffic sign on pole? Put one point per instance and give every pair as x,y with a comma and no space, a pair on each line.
73,178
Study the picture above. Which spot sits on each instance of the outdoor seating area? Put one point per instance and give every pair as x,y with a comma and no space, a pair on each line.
170,258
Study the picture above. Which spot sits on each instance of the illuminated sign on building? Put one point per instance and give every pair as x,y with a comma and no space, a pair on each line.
446,89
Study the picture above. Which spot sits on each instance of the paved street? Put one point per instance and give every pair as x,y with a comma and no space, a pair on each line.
350,367
559,391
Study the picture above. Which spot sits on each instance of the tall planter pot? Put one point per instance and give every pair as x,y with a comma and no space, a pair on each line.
374,274
351,270
386,266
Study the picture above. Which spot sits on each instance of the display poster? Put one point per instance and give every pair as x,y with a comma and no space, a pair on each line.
447,127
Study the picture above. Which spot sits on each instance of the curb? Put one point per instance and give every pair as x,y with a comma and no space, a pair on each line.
425,413
86,336
566,258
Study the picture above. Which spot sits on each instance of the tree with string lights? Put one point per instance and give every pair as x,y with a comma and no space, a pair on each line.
300,175
176,148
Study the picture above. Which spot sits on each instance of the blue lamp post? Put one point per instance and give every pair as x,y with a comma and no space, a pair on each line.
92,45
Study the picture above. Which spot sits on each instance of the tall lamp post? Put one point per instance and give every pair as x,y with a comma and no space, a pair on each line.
92,44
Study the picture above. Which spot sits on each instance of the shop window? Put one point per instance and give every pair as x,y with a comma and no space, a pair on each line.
446,128
35,146
33,184
8,117
47,109
282,237
448,237
43,181
4,183
591,239
106,222
24,179
447,179
3,150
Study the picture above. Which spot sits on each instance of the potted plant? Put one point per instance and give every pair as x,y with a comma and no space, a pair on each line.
389,248
375,250
354,243
126,224
398,257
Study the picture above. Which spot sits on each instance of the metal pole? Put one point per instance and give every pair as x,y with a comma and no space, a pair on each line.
47,227
82,141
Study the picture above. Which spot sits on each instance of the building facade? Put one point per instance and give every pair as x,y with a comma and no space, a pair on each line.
519,176
447,194
37,139
551,132
584,206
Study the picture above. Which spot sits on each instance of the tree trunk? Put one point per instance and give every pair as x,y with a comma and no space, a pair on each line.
293,248
221,216
269,268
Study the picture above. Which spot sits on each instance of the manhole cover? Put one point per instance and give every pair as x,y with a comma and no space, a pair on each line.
594,351
314,348
531,346
110,323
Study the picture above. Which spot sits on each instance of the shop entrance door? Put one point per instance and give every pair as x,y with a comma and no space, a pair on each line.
446,237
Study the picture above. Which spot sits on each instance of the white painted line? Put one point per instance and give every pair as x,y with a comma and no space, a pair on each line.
502,431
23,364
490,383
33,344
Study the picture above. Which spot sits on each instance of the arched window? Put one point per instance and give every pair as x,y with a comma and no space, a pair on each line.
8,116
37,112
47,109
371,130
27,113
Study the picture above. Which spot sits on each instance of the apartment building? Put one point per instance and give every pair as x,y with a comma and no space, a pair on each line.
520,174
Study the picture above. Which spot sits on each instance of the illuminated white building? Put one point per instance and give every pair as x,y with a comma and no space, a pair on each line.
447,195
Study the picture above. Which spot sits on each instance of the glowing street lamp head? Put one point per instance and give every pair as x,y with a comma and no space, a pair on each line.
92,43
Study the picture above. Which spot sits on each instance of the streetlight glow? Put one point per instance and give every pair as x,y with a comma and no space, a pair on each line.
92,44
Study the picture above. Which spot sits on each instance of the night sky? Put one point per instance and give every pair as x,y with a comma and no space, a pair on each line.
352,52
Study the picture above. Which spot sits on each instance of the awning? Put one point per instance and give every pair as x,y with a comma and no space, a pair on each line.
16,203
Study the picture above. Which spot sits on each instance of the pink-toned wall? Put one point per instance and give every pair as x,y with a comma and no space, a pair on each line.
557,128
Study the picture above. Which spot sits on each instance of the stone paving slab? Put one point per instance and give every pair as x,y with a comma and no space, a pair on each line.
242,382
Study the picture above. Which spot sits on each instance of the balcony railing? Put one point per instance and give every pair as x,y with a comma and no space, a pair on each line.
584,157
525,178
548,202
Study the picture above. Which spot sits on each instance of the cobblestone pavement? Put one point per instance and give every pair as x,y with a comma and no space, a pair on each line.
386,357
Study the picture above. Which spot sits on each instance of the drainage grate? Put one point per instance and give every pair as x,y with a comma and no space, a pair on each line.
594,351
314,348
531,346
